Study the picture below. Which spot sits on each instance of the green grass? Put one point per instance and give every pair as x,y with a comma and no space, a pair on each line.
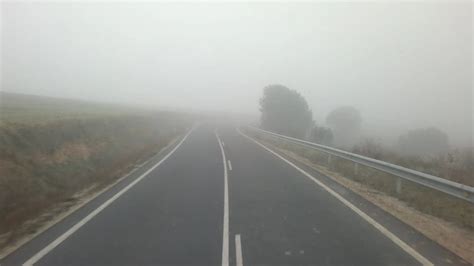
31,109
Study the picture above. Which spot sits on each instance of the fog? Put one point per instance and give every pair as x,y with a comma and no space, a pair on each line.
403,65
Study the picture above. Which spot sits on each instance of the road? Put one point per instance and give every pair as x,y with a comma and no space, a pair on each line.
219,198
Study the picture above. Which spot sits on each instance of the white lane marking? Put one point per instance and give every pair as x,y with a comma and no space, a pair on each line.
383,230
238,251
91,215
84,202
225,235
230,165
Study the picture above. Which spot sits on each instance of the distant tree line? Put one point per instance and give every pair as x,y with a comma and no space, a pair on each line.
285,111
345,121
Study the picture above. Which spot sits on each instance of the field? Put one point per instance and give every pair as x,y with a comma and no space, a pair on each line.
31,109
52,149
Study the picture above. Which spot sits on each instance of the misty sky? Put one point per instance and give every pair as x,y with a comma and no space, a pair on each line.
404,65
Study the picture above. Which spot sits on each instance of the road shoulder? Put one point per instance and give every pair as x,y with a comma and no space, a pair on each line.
436,253
62,217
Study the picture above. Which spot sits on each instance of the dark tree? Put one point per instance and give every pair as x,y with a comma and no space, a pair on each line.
322,135
285,111
345,122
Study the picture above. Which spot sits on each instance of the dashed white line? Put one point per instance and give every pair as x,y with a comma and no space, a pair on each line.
230,165
382,229
225,233
91,215
238,251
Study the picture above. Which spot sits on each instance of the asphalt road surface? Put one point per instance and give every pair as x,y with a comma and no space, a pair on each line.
217,197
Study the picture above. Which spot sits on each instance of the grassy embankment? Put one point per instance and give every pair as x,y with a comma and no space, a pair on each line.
52,149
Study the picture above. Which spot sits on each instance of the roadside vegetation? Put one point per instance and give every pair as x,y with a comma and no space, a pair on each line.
445,219
426,150
285,111
453,164
52,149
425,199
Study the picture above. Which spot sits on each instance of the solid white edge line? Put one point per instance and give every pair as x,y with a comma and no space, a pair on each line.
230,165
382,229
77,207
91,215
238,251
225,230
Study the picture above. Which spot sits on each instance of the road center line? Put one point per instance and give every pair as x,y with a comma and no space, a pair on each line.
382,229
238,251
91,215
225,229
230,165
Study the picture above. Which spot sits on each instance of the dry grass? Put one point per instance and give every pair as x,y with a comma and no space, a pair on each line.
59,211
42,165
456,165
455,238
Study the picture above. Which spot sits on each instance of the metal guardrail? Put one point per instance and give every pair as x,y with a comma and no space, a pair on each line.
452,188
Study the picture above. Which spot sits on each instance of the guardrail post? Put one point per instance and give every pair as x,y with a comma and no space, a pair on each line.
398,185
356,168
329,161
